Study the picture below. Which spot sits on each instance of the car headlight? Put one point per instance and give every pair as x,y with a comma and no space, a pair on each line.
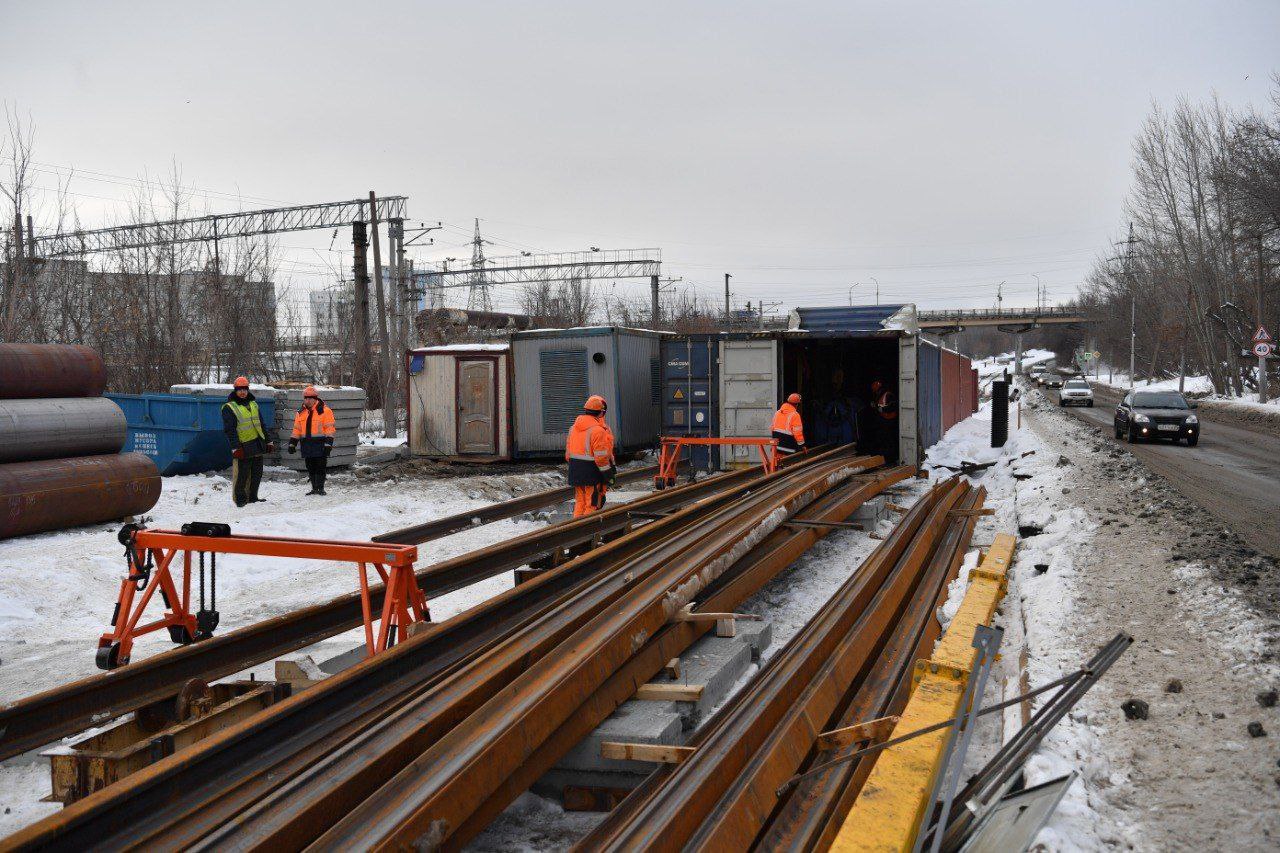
1192,419
1142,419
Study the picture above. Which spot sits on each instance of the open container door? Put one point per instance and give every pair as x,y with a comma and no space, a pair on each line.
908,401
748,395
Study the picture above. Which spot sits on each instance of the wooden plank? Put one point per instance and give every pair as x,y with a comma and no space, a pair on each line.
658,753
873,730
659,692
672,669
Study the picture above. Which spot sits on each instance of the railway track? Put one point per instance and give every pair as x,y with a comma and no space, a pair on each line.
491,689
42,718
851,663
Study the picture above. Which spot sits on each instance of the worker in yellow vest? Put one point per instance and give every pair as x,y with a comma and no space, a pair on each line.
787,427
242,425
589,452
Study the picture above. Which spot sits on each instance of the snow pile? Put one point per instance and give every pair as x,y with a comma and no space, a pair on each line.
997,364
1036,612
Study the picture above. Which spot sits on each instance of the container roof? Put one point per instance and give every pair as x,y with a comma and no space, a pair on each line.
586,331
856,319
464,348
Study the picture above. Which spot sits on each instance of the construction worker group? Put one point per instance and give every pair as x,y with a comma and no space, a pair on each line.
880,437
314,429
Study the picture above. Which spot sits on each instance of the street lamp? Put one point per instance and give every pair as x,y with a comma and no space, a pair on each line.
877,281
851,287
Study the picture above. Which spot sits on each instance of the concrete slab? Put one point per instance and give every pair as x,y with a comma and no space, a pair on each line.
757,635
634,722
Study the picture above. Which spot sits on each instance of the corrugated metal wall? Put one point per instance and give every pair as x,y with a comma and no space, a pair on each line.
689,397
548,391
639,388
930,393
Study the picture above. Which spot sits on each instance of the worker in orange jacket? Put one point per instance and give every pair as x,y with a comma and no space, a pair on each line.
787,427
589,452
884,403
314,428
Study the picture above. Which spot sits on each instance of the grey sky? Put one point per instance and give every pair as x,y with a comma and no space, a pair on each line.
940,147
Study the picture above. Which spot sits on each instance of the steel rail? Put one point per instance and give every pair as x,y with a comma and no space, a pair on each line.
418,534
447,782
42,718
746,578
810,813
156,799
674,804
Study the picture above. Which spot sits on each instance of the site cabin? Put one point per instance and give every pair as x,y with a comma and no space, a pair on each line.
459,402
730,385
555,370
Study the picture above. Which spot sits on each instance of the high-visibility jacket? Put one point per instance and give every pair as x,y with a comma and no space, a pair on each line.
787,423
248,424
314,428
589,451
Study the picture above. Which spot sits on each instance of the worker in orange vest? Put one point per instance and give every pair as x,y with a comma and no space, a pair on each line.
314,428
589,452
787,427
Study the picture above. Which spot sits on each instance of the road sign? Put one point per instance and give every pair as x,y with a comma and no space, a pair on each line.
1262,349
1261,336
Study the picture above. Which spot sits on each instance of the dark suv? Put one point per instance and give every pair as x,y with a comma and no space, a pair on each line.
1157,414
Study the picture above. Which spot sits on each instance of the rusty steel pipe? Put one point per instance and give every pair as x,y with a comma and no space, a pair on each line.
439,790
675,806
53,494
50,370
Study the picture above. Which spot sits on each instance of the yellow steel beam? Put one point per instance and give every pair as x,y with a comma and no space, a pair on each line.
888,811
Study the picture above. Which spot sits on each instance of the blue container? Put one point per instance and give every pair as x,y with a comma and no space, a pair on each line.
690,393
929,395
182,433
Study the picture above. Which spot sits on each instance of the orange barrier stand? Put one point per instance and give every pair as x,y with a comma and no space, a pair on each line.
672,444
150,555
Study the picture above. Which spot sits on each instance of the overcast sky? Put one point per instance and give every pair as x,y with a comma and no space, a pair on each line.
804,147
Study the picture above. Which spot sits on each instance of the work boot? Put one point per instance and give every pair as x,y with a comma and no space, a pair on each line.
314,491
320,491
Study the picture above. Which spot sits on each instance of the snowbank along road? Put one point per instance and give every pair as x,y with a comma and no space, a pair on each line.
1234,472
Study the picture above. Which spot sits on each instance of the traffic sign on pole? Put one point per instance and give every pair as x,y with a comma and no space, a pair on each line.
1262,349
1261,336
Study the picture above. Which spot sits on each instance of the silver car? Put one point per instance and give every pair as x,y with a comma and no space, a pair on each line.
1075,391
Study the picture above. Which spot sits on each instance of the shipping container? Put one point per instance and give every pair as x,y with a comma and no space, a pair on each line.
690,372
182,433
831,357
555,370
459,401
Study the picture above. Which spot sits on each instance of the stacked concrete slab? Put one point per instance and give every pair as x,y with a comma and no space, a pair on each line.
348,407
713,663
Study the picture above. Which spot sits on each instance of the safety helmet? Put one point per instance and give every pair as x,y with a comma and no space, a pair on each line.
876,385
793,399
310,391
595,403
242,382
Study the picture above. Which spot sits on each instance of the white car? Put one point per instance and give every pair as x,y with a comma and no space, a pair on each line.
1075,391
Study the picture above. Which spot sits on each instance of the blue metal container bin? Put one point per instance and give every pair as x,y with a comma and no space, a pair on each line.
181,433
690,393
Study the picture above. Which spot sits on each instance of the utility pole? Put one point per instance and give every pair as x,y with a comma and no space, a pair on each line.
360,302
728,327
654,316
1133,334
877,281
1000,297
387,380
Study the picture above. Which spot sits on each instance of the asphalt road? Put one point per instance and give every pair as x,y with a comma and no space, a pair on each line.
1233,473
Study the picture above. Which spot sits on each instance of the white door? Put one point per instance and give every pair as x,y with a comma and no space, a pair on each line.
908,403
748,396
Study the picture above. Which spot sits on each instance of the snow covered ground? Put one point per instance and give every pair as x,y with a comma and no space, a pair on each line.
997,364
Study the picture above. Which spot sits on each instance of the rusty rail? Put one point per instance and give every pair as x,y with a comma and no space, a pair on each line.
244,765
722,795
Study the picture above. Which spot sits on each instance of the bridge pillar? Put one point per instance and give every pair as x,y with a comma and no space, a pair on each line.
1017,354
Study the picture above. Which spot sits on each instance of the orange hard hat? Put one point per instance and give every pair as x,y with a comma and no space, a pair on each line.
310,391
876,385
242,382
793,399
595,403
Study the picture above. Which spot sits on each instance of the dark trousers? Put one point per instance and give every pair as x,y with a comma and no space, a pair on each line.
317,468
246,476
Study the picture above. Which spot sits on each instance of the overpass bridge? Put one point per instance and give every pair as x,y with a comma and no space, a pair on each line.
1015,321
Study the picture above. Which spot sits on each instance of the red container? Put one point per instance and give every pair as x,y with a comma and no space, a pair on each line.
50,370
